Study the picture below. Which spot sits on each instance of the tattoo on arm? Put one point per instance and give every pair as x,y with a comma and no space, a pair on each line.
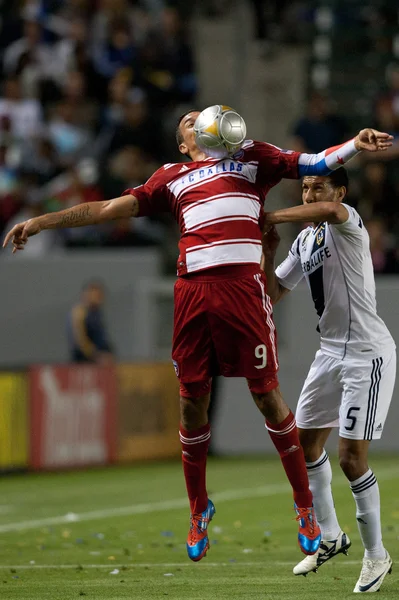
135,207
76,216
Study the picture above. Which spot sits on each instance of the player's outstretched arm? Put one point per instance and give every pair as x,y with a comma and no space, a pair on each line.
270,242
323,163
316,212
91,213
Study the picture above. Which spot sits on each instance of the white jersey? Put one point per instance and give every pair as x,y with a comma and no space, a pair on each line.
336,262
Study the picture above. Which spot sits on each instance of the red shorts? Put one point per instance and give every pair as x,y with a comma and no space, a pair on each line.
223,324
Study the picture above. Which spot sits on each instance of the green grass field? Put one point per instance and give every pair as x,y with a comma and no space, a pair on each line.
120,533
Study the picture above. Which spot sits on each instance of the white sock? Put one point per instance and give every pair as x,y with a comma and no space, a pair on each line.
320,476
367,497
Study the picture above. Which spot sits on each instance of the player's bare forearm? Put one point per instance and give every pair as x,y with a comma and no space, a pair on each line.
332,212
90,213
274,289
81,215
270,242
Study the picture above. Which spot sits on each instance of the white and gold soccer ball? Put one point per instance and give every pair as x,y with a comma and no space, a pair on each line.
219,131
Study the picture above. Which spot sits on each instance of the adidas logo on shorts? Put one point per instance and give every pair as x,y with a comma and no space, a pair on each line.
379,427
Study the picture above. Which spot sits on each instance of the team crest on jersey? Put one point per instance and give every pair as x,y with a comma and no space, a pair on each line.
320,235
238,154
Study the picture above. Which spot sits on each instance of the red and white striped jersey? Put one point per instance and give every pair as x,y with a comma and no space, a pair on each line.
218,203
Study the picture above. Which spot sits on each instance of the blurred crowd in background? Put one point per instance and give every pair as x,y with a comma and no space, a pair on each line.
90,92
91,89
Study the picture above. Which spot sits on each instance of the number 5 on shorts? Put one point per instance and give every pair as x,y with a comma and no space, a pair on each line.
261,353
351,418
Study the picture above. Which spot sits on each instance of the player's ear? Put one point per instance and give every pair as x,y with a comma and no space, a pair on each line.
183,148
341,193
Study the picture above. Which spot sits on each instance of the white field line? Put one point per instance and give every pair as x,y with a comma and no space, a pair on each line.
138,509
165,505
127,566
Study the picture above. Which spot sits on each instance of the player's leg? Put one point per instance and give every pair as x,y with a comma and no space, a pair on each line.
281,425
192,351
353,456
195,435
333,540
244,335
368,388
320,476
317,412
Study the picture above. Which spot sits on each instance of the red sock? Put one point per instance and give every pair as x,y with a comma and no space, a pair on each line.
194,453
285,438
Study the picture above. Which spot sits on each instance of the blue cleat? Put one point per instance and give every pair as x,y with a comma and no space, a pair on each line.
197,540
309,536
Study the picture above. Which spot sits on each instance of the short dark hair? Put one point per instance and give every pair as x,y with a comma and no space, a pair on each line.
179,137
93,284
339,178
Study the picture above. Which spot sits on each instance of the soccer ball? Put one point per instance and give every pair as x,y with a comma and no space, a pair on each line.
219,131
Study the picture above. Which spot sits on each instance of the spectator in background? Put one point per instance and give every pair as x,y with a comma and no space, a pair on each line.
387,104
66,133
120,93
384,255
109,11
71,53
28,50
168,62
117,52
20,117
376,191
268,18
320,128
84,109
39,156
140,127
87,335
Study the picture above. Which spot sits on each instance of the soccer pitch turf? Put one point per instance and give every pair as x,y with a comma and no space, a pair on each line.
120,533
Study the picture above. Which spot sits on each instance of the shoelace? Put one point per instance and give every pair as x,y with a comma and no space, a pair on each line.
195,527
367,567
305,513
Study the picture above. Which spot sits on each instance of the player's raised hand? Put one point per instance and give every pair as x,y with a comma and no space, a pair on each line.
19,234
373,140
270,240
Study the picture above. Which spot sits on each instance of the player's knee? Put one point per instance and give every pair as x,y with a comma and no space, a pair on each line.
353,465
194,403
312,449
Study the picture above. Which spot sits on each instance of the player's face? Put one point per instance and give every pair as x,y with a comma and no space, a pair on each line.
320,189
94,296
188,145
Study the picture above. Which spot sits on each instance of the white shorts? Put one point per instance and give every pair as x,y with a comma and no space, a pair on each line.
352,394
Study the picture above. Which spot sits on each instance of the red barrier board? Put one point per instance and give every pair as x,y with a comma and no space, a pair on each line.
73,416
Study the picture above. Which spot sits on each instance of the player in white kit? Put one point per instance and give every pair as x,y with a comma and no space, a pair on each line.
350,382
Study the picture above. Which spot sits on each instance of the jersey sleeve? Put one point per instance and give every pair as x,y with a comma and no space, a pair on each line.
353,226
289,272
152,195
328,160
275,164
